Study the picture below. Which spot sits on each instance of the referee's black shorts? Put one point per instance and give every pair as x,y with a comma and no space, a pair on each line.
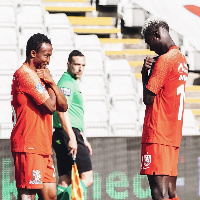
65,161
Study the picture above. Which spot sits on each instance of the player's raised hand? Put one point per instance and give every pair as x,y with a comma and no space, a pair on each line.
45,75
148,62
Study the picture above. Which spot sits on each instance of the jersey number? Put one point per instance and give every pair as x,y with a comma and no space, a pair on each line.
181,91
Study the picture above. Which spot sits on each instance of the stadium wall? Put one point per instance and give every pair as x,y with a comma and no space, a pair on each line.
116,165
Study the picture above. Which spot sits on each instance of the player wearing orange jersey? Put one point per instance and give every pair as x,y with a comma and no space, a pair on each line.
35,97
163,95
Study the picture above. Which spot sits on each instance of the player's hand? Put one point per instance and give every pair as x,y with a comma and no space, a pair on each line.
148,62
88,145
72,146
45,75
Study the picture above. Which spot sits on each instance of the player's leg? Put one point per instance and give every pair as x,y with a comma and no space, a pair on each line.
87,178
173,176
29,174
64,180
64,161
83,160
159,186
172,187
48,192
26,194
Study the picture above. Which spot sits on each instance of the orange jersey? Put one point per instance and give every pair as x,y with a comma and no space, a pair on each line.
32,131
164,117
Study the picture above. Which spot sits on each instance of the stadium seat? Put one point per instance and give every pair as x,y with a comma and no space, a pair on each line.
94,59
138,14
9,58
190,125
5,117
121,84
31,13
108,2
84,41
59,59
61,36
123,116
93,83
117,65
56,19
96,116
197,60
6,81
7,12
9,35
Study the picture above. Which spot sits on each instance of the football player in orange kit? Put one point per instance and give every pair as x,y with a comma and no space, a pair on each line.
163,95
35,97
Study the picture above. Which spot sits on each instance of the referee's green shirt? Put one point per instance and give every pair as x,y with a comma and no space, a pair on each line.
70,88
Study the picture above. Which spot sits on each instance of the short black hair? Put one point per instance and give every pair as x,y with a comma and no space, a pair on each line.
35,42
152,24
74,53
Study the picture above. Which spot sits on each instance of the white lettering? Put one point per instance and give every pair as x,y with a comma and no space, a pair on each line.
183,78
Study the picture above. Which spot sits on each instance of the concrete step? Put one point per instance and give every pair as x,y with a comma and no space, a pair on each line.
131,52
98,31
120,44
91,21
66,1
69,9
69,6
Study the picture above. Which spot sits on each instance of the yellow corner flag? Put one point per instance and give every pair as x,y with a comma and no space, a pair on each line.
76,190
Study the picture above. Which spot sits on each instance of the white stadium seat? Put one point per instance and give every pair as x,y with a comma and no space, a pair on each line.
5,117
31,13
59,59
124,117
123,84
87,41
96,116
61,36
7,12
6,82
94,59
56,19
190,126
93,84
9,58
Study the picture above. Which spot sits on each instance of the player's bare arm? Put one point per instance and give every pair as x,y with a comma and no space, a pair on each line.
148,96
66,125
60,100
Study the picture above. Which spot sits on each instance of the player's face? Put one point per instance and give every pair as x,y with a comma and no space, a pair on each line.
76,67
154,43
42,58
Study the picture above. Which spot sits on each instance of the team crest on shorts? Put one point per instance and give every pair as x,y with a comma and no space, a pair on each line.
146,161
36,177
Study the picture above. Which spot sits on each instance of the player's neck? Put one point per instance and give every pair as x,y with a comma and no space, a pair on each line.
29,63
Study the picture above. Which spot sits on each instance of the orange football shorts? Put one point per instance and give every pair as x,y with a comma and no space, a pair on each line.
32,170
158,159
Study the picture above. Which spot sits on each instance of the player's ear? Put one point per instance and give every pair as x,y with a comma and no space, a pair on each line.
156,34
33,53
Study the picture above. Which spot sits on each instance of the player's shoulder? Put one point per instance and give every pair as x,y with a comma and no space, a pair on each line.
24,72
172,55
